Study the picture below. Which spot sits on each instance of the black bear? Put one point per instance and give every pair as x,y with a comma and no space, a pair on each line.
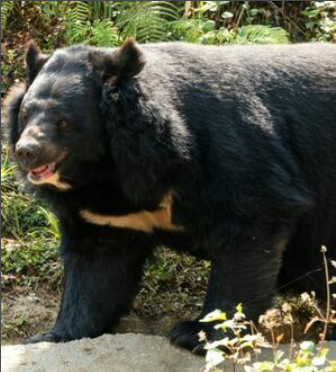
228,153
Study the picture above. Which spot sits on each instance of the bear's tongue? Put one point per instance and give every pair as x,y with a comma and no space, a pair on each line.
42,172
39,170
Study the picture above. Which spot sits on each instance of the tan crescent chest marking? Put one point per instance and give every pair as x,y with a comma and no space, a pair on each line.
146,221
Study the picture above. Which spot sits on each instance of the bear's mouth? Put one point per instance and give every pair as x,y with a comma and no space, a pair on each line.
45,171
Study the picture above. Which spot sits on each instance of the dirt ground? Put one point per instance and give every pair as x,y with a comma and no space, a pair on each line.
173,289
24,316
136,346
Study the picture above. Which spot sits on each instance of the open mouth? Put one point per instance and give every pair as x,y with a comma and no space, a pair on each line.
45,171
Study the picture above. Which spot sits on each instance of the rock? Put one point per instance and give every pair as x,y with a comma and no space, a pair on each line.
109,353
115,353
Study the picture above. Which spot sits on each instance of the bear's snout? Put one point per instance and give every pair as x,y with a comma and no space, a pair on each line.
28,151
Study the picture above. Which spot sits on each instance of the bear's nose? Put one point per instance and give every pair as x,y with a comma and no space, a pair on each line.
27,152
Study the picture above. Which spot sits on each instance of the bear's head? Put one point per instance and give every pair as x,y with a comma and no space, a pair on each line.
56,126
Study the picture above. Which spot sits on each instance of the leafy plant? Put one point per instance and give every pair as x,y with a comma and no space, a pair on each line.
321,20
309,358
330,315
21,214
102,9
107,23
32,255
145,20
6,7
50,227
103,33
7,173
259,34
49,10
191,30
233,349
79,28
242,348
77,25
27,261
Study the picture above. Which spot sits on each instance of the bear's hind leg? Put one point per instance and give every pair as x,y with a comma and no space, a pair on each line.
247,274
303,268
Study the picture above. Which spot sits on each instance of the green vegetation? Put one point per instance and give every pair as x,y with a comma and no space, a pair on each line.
243,341
29,234
109,23
243,348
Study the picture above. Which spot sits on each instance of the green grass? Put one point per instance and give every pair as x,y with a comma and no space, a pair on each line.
173,284
29,234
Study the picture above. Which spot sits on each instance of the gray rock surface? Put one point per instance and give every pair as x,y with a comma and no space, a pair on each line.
109,353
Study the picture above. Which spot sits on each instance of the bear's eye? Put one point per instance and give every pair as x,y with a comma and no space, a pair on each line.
64,125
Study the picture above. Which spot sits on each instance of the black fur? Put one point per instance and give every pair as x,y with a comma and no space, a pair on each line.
34,61
244,137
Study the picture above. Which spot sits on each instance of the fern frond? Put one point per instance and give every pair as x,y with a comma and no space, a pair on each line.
6,8
77,22
258,34
79,12
146,20
52,227
191,30
108,8
103,33
101,10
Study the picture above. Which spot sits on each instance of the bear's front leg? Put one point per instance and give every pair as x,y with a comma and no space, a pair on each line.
99,286
245,273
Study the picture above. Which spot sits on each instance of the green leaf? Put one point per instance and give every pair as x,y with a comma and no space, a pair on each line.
214,316
278,354
263,366
239,308
214,345
312,24
227,15
307,346
214,357
6,8
103,33
319,361
258,34
332,280
212,6
311,13
146,20
249,369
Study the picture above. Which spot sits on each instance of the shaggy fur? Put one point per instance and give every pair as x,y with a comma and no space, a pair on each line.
228,153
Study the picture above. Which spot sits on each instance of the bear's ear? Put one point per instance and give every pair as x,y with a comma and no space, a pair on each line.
34,60
123,63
